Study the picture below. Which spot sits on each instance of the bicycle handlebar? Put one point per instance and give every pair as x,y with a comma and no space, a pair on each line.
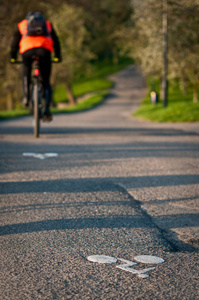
16,62
21,62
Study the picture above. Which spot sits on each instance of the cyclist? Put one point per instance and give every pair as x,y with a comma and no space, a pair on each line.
36,37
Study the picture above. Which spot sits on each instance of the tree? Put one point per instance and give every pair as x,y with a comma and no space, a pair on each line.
147,37
104,20
165,52
184,44
69,23
183,39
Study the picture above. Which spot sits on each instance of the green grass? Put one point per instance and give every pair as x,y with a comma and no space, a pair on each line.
89,103
180,108
91,85
81,88
59,93
9,114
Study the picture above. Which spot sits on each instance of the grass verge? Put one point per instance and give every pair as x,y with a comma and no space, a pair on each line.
180,108
89,103
10,114
81,88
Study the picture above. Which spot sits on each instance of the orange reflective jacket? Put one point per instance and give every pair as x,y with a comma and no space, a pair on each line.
29,42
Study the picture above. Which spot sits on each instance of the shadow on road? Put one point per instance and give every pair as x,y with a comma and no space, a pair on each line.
87,130
77,223
86,185
127,220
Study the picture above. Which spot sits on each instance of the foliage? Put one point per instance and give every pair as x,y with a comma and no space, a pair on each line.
184,51
69,24
103,19
103,68
183,40
147,37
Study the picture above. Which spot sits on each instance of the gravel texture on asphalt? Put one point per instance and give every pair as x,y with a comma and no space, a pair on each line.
99,183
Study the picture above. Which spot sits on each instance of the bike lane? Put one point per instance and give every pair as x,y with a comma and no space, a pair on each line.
46,250
70,230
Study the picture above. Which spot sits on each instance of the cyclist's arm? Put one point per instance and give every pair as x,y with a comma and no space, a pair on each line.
15,44
56,43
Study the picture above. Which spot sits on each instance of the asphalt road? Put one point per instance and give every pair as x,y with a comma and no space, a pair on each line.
100,185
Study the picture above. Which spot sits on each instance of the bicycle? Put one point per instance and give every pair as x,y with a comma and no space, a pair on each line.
36,91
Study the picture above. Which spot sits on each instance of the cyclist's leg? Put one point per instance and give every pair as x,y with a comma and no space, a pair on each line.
27,63
48,100
45,68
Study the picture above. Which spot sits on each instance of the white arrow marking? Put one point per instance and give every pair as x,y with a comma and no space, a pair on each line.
28,154
40,155
51,154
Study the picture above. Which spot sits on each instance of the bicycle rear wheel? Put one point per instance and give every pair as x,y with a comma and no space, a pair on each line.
36,110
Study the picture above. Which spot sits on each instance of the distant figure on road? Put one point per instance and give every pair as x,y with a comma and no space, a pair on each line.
35,37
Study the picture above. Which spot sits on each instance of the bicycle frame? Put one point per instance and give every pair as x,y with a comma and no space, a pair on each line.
36,96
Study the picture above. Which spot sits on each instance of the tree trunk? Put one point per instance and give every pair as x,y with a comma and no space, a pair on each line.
195,94
9,101
115,56
71,97
183,85
165,54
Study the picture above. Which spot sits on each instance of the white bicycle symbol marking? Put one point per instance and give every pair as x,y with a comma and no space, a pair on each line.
127,266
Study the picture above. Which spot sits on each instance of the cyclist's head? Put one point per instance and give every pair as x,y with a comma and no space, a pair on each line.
34,13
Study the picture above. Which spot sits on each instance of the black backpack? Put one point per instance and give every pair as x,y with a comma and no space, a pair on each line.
36,24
